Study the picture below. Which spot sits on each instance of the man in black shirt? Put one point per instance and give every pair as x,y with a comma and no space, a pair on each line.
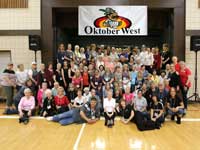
175,106
125,112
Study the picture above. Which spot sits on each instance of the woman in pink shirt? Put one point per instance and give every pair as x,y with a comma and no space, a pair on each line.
106,57
129,97
41,95
26,106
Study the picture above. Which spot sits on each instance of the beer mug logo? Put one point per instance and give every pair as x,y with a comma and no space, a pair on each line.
112,20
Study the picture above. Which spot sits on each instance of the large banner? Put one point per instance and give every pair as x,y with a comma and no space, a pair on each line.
113,20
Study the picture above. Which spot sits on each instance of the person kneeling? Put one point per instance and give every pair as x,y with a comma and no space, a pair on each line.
26,106
126,112
157,110
175,106
88,113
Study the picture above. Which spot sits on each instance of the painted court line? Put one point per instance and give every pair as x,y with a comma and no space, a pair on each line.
16,117
102,118
79,137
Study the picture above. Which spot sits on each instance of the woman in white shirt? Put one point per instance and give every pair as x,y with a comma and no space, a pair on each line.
148,60
79,100
22,76
109,104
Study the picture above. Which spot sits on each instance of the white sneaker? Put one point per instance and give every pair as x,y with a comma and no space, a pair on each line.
49,118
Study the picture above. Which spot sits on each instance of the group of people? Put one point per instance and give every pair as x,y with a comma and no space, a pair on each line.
143,85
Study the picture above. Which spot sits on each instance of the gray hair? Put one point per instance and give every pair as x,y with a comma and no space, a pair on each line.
27,90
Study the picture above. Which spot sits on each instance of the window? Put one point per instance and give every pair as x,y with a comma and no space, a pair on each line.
5,58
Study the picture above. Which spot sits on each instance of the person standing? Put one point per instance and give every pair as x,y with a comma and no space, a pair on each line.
61,55
165,55
8,83
22,76
32,73
185,74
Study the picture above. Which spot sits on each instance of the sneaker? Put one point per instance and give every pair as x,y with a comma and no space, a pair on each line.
178,120
110,126
49,118
172,117
26,121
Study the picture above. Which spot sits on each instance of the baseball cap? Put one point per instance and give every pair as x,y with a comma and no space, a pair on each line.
33,63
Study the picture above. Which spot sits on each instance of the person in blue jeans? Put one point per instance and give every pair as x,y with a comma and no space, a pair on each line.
175,106
88,113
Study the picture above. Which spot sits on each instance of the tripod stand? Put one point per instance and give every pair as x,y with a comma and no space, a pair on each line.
195,94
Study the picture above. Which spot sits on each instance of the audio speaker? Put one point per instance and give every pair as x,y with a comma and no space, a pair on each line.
34,42
195,43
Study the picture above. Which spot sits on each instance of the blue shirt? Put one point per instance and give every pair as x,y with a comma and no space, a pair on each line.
133,77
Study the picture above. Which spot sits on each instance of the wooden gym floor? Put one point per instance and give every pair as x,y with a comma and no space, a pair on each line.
40,134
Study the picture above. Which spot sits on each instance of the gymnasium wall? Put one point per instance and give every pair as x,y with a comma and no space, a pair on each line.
16,24
192,28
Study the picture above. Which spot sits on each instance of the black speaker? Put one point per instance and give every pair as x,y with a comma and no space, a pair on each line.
34,42
195,43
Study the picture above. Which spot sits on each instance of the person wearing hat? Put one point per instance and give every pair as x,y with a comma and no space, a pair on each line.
88,113
33,73
8,83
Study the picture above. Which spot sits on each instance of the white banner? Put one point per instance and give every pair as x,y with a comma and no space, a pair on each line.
113,20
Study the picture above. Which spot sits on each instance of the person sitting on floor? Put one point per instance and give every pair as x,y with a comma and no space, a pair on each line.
109,109
26,106
80,99
125,111
175,106
140,103
61,101
20,93
49,107
88,113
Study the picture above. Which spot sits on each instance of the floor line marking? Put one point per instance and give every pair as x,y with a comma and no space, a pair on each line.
102,118
79,137
16,117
